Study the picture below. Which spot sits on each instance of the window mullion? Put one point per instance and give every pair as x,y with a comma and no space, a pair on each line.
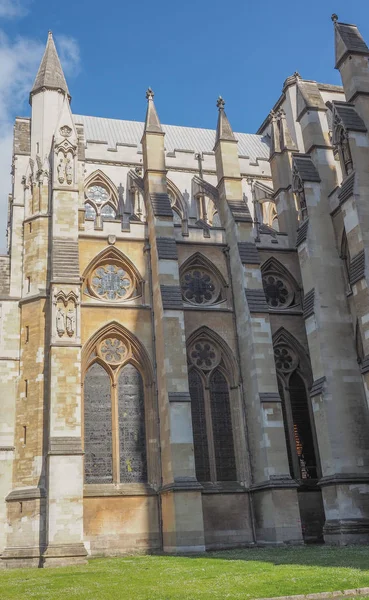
115,432
209,431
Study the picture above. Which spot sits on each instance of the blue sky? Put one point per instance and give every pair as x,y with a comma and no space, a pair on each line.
188,52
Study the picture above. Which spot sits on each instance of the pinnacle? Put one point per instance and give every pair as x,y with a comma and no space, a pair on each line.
50,73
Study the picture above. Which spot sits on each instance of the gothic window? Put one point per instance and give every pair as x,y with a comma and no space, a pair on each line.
345,256
297,415
114,414
200,282
359,344
281,290
101,199
178,205
211,413
131,410
112,278
98,426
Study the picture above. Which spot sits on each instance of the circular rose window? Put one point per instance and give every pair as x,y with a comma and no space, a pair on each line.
285,360
204,355
97,194
199,287
111,282
113,351
277,292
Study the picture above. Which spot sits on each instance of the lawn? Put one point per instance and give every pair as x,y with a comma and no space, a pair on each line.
251,573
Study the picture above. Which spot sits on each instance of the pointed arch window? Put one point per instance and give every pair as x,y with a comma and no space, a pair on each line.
280,287
346,259
201,282
114,413
101,199
211,413
297,413
111,277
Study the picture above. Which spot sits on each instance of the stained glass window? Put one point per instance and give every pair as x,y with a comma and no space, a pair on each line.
108,213
97,194
199,427
97,426
198,287
222,428
132,441
302,428
90,212
111,282
277,291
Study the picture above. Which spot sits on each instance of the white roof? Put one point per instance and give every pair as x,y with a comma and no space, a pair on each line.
114,131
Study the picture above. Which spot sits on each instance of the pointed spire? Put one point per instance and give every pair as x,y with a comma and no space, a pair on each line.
347,40
286,140
224,129
50,74
152,123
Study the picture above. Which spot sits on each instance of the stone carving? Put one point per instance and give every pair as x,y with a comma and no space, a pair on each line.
60,321
71,321
65,313
285,360
61,170
277,291
65,131
69,171
46,168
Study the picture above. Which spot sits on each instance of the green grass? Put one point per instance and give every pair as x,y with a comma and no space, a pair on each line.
246,574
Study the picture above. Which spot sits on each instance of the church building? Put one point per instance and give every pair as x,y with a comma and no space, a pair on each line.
184,326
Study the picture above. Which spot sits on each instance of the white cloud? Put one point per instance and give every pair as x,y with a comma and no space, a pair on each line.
13,8
19,61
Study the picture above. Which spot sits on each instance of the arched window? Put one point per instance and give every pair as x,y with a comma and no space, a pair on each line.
345,256
111,277
201,282
298,421
114,412
211,413
101,199
280,287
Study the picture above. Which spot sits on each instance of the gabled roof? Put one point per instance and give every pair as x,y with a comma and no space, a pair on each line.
191,139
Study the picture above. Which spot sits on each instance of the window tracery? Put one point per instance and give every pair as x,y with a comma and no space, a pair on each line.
112,278
280,288
291,365
201,284
211,410
101,199
114,412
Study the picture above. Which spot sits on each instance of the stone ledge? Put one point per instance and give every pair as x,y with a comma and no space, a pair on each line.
272,484
344,479
18,495
179,397
96,490
223,487
185,484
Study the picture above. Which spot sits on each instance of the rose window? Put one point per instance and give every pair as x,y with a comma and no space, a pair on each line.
97,194
111,282
204,355
113,350
276,291
285,360
198,287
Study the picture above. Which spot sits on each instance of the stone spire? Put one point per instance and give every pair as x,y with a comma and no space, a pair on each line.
50,74
152,123
347,41
224,129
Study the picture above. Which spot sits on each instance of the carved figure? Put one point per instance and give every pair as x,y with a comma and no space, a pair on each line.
69,171
60,322
61,170
71,321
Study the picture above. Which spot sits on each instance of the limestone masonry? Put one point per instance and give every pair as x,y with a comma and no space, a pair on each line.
184,326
